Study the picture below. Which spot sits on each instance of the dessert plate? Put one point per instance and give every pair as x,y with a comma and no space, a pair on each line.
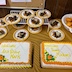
35,21
56,34
27,13
55,23
2,23
12,18
3,32
18,26
21,35
43,13
34,30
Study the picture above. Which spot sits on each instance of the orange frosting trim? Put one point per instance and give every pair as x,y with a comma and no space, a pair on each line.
54,62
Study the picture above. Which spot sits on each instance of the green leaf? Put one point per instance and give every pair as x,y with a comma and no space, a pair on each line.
53,58
4,60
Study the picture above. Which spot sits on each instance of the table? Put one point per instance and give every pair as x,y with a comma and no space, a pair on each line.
36,39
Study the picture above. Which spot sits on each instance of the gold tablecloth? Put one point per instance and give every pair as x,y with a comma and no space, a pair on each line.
36,39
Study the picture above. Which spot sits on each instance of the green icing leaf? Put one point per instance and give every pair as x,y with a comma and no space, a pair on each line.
53,58
46,52
4,60
0,60
46,56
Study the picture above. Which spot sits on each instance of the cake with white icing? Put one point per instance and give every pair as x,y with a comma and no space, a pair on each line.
15,55
56,55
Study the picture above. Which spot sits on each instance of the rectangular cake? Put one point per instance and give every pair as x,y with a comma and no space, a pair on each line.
56,54
15,55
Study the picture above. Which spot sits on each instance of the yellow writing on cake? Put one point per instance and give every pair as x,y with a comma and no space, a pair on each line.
8,46
14,51
64,55
14,54
5,51
53,48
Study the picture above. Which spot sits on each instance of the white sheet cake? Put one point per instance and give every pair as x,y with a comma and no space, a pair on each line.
56,55
15,55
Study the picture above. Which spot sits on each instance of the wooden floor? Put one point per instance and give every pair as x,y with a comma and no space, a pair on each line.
36,39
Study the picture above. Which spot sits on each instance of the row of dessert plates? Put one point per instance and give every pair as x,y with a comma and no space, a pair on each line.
14,18
46,21
22,34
